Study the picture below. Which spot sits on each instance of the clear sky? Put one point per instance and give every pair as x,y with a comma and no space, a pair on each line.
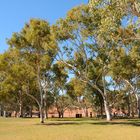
15,13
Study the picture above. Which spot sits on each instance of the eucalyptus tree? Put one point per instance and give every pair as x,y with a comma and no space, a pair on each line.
127,40
54,84
126,57
13,70
8,84
86,41
37,46
125,70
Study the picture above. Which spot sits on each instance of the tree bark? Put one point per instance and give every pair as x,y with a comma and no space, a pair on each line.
138,104
20,104
20,110
86,111
106,105
132,109
31,108
107,111
4,113
42,110
59,114
0,110
41,114
46,113
101,105
41,95
128,106
62,113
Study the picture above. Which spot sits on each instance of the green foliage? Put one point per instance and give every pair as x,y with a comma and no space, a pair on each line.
91,42
75,88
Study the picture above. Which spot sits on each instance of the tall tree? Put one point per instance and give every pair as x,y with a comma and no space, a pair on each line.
37,45
86,44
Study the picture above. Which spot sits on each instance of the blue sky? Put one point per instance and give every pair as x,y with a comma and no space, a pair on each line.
15,13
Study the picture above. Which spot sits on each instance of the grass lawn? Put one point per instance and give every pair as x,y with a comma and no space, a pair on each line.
68,129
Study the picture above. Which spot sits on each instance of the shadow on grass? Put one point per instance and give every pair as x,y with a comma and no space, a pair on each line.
125,123
117,123
58,123
74,119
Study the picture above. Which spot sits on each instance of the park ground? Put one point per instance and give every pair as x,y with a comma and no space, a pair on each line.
69,129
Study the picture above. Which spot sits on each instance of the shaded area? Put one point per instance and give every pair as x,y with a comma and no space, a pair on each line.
90,122
74,119
116,123
62,123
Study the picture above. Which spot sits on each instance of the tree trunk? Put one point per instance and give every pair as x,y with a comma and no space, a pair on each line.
106,105
132,110
107,111
20,104
128,106
138,104
62,114
4,113
138,108
16,114
86,112
46,113
41,114
0,110
20,110
129,110
101,105
59,114
31,108
41,108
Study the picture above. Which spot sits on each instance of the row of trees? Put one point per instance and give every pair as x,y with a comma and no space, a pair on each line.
91,55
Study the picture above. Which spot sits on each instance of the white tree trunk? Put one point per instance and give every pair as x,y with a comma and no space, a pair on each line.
41,108
107,111
4,113
20,110
106,105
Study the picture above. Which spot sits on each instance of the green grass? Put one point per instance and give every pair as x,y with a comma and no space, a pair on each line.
69,129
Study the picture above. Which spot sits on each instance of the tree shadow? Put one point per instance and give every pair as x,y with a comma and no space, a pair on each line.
93,122
117,123
125,123
74,120
60,123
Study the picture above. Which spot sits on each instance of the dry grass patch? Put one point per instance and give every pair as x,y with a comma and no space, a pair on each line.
68,129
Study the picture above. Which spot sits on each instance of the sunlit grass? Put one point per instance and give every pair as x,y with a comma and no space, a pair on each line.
68,129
